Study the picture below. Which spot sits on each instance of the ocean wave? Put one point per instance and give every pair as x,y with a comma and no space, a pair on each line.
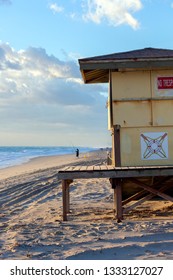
10,156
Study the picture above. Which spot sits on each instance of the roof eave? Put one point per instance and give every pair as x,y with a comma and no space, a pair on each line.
93,71
120,64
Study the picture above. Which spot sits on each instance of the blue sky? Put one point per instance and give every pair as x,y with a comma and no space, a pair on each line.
43,100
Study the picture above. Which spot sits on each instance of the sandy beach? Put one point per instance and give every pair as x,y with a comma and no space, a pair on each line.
31,226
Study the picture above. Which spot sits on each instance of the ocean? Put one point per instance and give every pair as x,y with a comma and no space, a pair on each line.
10,156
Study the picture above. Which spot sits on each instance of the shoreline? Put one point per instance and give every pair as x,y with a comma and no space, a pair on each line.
32,165
18,155
45,162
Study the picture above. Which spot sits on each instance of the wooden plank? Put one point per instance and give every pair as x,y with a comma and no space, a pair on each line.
96,167
146,198
90,168
83,168
76,168
123,168
118,64
117,188
104,167
69,168
114,200
139,194
119,208
133,197
110,167
116,174
64,199
113,173
67,198
150,189
140,201
65,168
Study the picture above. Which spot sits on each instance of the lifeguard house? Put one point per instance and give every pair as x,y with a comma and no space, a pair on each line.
140,103
140,117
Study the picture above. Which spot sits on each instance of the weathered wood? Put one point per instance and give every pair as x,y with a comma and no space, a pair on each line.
117,174
64,199
66,168
142,200
110,167
96,167
151,190
90,168
69,169
113,172
114,200
83,168
139,202
89,66
67,198
119,208
133,197
117,187
141,193
103,167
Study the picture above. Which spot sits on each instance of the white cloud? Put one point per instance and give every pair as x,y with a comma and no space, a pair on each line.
44,97
56,8
115,12
33,74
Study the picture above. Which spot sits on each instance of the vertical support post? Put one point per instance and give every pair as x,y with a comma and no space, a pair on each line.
114,200
119,208
116,146
117,187
64,199
68,182
68,197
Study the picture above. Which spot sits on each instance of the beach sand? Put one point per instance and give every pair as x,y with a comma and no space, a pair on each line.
31,226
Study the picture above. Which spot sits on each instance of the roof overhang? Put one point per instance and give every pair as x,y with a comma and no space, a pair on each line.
97,71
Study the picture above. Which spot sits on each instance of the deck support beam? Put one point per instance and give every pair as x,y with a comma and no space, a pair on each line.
117,187
151,190
149,196
145,192
66,197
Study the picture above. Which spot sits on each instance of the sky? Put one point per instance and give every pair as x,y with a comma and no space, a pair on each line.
43,99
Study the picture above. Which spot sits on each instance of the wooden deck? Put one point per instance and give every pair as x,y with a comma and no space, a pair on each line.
109,171
161,181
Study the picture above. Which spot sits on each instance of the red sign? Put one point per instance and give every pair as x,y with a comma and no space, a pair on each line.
165,82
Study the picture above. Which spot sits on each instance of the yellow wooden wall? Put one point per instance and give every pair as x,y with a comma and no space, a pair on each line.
131,150
137,101
138,106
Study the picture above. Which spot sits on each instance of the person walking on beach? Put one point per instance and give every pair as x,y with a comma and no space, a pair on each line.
77,153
